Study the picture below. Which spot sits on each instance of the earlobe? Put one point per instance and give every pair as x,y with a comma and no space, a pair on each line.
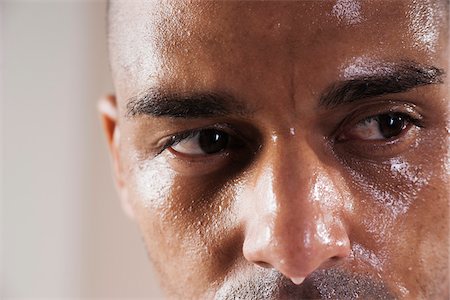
108,109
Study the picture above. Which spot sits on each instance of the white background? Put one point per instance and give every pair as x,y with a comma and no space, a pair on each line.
63,234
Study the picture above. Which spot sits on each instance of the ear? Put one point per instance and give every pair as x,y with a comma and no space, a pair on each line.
108,109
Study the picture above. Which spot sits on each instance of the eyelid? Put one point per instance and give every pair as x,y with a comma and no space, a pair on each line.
176,138
408,110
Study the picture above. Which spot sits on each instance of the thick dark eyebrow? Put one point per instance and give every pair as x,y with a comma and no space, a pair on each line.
393,79
185,105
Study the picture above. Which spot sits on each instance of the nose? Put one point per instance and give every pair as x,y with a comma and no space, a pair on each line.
293,215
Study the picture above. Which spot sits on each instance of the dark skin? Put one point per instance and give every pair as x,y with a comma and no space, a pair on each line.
285,149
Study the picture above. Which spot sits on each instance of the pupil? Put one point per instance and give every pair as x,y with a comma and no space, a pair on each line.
391,125
212,141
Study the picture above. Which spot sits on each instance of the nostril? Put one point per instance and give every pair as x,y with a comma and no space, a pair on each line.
263,264
333,261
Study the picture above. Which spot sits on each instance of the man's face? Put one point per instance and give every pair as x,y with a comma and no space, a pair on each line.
285,149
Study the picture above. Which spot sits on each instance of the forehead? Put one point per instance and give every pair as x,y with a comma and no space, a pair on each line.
204,43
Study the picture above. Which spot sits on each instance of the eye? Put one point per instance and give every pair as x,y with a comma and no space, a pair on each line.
202,142
379,127
206,150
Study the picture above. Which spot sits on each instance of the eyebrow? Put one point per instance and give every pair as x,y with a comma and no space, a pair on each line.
393,79
185,105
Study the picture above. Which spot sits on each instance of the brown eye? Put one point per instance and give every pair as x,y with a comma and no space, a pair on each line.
380,127
206,141
212,141
391,125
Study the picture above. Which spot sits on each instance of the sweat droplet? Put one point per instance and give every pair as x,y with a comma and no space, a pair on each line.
348,11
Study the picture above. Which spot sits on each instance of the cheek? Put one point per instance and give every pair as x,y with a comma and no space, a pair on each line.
388,189
387,192
419,249
153,183
403,215
188,225
433,254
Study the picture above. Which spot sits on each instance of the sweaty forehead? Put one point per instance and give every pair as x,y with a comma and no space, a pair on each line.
169,43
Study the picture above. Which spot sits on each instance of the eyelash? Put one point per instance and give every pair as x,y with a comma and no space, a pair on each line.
179,137
408,119
346,125
409,113
176,138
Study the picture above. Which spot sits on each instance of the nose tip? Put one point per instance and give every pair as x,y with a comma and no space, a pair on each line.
297,255
295,235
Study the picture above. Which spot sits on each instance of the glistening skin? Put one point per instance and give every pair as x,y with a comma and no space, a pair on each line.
284,149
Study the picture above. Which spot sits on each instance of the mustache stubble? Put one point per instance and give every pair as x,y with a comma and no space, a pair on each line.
332,283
